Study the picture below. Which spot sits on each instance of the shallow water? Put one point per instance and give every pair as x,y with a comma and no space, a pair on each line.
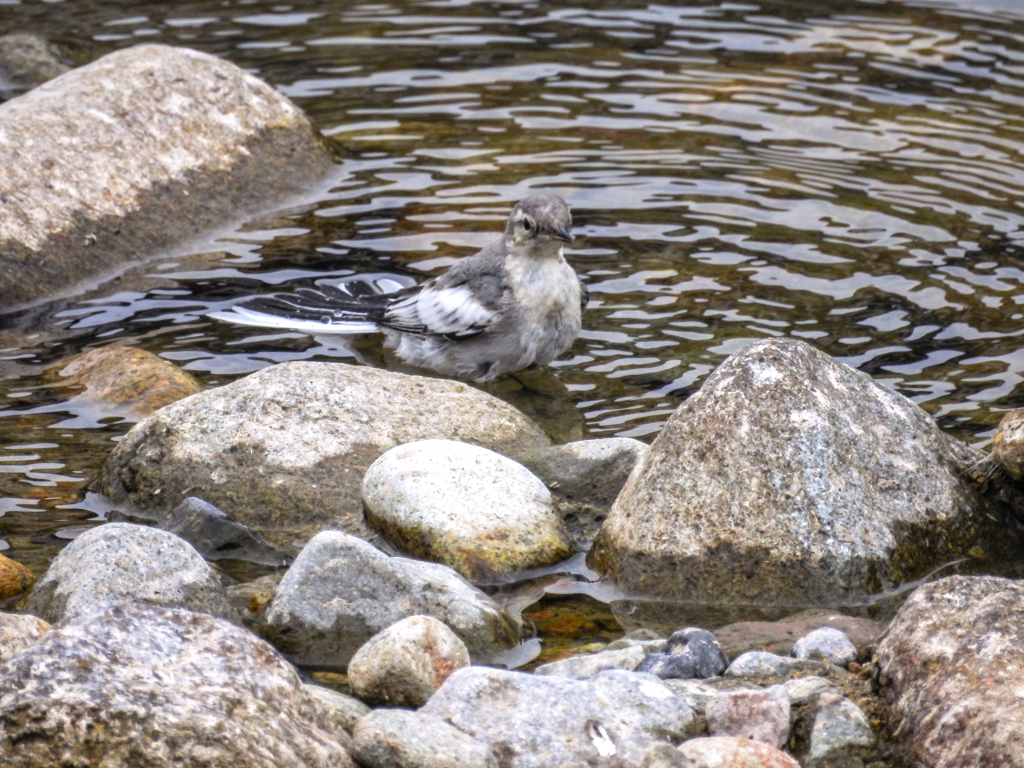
847,173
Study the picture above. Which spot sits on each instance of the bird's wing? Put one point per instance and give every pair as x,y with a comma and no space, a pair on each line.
434,309
584,294
324,310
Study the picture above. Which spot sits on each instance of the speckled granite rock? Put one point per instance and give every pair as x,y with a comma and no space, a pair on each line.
105,163
721,751
340,591
395,738
404,664
761,715
778,636
132,685
953,667
532,721
120,561
790,478
469,508
826,644
18,631
345,710
284,450
25,62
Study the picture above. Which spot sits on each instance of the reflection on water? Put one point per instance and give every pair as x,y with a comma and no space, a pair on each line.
847,173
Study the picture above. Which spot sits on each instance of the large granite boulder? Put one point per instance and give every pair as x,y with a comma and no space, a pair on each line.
284,450
952,668
132,685
133,153
791,479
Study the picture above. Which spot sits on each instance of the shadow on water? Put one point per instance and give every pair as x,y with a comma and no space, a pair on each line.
847,173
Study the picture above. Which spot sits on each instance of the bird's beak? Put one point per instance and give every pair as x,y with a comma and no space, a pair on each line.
561,234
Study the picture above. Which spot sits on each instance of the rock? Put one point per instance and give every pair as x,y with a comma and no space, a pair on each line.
839,731
954,662
585,477
588,665
1008,444
105,163
25,62
826,644
526,722
731,752
18,631
395,738
467,507
284,450
120,561
344,710
131,685
341,591
761,715
805,690
250,598
217,537
778,636
650,641
763,664
15,578
690,652
404,664
790,478
664,755
699,693
123,381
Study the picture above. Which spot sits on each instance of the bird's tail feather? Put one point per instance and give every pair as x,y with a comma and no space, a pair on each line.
325,310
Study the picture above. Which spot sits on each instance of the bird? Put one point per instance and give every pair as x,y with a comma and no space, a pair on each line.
514,305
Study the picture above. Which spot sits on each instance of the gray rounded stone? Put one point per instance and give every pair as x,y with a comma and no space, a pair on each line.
839,730
588,665
283,451
18,631
130,685
535,721
27,61
133,153
121,561
341,591
344,710
760,715
764,664
826,644
464,506
396,738
790,478
403,665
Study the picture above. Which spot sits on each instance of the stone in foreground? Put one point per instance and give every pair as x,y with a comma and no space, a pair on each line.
403,665
132,685
134,153
826,644
761,715
396,738
341,591
722,751
531,721
120,561
954,659
284,450
469,508
791,479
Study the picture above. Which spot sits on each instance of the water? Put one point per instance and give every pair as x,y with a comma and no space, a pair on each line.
846,173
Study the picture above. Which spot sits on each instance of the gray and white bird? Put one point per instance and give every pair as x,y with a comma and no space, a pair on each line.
515,304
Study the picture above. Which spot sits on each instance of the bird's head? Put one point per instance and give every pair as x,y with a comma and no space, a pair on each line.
539,225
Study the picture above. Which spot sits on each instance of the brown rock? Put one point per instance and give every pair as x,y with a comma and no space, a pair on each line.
134,153
779,636
953,661
1008,444
125,380
15,578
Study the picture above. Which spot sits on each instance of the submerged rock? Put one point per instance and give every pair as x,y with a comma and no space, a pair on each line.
131,685
133,153
532,721
217,537
791,479
124,381
25,62
284,450
404,664
953,664
778,636
469,508
341,591
120,561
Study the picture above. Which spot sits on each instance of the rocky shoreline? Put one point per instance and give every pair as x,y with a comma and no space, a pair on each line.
392,506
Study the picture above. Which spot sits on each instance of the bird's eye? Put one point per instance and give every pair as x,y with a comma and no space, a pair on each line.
527,225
